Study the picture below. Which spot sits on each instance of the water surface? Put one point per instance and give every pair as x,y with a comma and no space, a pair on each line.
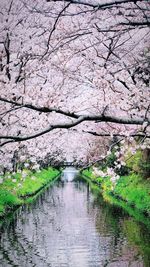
68,226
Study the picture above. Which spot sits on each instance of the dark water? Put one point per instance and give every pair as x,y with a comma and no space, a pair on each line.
68,226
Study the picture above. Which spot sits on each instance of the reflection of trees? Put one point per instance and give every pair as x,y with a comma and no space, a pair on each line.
17,245
138,236
80,186
17,250
127,237
21,245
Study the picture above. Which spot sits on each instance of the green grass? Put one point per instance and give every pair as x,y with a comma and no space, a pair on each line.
9,200
15,190
88,173
132,189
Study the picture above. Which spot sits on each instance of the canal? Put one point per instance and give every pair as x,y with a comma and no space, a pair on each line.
70,226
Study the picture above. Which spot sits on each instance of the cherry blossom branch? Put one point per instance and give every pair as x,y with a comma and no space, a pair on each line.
98,5
102,158
101,118
8,111
97,118
74,115
7,50
50,128
54,27
135,23
114,134
40,109
112,4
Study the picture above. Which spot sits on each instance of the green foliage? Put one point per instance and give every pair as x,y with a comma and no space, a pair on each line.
88,173
135,191
133,161
134,232
139,163
145,168
110,160
14,188
31,186
132,189
7,199
124,170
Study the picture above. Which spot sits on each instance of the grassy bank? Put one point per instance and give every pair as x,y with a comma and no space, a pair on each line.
18,188
131,189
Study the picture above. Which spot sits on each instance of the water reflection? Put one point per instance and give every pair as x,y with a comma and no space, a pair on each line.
67,227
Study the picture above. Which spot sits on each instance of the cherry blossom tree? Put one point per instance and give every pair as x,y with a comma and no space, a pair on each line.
72,65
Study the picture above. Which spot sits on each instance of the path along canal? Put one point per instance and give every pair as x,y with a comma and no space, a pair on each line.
69,226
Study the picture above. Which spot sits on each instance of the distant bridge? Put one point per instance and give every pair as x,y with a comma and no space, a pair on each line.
68,164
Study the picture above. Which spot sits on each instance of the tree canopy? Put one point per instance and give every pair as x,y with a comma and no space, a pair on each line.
75,66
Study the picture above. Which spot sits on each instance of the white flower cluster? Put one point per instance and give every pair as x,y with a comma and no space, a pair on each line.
128,146
109,172
24,175
98,173
19,185
36,167
26,165
113,176
33,178
22,158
